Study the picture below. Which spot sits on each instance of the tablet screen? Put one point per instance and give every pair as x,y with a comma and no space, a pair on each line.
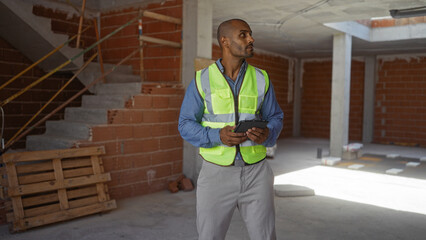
243,126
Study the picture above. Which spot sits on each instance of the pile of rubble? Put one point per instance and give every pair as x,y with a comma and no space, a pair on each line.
181,183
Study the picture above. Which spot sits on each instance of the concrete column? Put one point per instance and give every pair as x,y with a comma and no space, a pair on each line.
197,35
340,93
369,97
297,106
197,42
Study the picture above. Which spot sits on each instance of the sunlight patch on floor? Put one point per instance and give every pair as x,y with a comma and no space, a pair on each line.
394,192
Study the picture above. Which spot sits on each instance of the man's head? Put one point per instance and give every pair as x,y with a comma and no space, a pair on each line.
235,37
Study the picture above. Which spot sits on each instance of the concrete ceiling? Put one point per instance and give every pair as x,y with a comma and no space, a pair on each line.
295,27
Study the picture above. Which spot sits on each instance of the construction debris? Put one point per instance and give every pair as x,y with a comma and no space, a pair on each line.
394,171
173,187
186,185
412,164
288,190
181,183
270,151
392,155
356,166
330,161
352,151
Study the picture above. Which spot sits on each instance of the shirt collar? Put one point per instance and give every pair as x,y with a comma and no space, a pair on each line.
242,69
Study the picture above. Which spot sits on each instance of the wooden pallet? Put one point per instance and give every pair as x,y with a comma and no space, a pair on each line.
45,187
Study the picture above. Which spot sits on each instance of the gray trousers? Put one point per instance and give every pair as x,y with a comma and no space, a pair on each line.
221,189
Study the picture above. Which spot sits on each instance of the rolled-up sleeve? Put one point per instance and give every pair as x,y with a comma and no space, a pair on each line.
190,117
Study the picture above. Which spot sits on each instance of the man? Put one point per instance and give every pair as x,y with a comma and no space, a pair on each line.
234,172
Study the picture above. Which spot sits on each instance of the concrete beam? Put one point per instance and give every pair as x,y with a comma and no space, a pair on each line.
197,42
350,27
369,96
407,32
383,34
340,93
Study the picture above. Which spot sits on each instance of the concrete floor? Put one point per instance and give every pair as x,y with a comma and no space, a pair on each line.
172,216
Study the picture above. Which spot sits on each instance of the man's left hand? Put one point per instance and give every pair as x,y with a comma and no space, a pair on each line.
258,135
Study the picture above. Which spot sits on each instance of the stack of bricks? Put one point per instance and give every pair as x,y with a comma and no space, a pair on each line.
144,150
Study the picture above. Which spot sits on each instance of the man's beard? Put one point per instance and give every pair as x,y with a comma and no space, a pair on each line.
244,52
249,51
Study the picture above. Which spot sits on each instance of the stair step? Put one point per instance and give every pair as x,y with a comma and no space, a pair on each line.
119,88
77,130
122,78
48,142
122,69
122,74
104,101
86,115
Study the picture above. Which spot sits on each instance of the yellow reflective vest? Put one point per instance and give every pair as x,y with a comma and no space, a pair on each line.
222,107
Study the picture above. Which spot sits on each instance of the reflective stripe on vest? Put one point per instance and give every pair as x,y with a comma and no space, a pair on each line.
219,110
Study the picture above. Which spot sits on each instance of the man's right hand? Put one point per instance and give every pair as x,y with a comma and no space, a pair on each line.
229,138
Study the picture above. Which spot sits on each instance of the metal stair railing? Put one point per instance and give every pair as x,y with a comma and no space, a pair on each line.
40,60
145,13
52,98
8,145
66,63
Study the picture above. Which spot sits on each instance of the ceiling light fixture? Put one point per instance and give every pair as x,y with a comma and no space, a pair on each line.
408,12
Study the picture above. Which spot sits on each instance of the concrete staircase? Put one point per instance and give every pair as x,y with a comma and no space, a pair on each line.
32,35
78,121
122,74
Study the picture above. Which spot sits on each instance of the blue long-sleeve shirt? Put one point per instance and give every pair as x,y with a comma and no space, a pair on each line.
192,111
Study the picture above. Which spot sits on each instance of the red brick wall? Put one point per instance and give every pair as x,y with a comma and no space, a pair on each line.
161,64
20,110
144,150
400,101
277,68
62,24
391,22
396,22
316,99
400,105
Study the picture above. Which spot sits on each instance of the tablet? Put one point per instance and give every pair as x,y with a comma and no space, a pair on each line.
245,125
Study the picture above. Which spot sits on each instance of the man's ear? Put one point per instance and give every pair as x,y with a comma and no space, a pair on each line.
224,41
